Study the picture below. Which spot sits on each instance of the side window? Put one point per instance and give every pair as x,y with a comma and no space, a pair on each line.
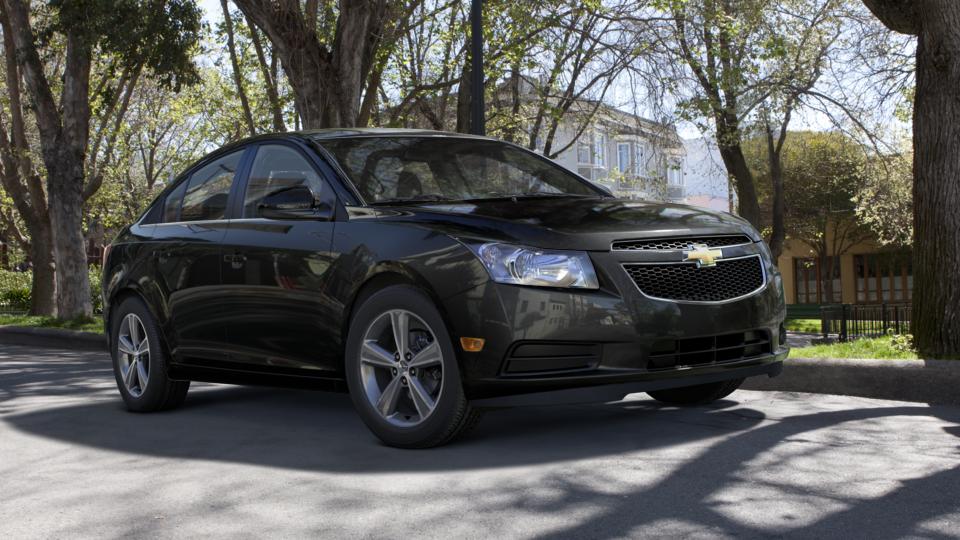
209,188
171,207
277,167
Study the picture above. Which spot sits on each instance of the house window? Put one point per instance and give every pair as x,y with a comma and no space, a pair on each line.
674,174
639,159
600,149
583,152
623,157
883,277
811,282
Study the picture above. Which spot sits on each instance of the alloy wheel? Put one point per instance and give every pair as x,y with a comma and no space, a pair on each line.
401,367
133,347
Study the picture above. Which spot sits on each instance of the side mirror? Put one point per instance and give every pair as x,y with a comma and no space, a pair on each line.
294,202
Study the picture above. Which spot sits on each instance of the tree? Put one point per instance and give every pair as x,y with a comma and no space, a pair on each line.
23,182
158,35
936,167
328,52
822,173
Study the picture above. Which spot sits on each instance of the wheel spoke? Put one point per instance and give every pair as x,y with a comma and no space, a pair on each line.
129,376
400,322
133,327
421,398
375,355
387,403
142,375
125,346
428,356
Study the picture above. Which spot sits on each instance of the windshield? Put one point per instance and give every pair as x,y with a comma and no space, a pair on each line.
398,169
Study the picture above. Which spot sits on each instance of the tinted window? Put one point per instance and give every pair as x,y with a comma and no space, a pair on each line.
277,167
209,189
398,168
171,207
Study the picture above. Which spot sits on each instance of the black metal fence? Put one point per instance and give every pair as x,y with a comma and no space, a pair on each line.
848,321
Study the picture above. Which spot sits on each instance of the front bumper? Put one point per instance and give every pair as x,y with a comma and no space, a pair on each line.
597,391
616,329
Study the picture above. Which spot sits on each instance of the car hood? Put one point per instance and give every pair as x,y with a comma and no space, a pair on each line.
568,223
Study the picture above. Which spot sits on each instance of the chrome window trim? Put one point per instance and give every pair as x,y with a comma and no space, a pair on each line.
763,284
612,249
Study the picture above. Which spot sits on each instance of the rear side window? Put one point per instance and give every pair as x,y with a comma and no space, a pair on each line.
208,189
171,207
275,168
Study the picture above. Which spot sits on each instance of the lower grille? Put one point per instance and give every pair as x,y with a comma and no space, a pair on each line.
731,278
671,353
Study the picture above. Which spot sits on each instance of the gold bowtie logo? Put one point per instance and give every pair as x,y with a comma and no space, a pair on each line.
702,255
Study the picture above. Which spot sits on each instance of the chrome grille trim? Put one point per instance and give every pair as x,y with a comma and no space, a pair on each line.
677,243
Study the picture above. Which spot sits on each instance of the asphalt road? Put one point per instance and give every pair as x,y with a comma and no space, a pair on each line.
245,462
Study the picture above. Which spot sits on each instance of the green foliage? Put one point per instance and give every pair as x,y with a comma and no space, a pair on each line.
903,343
15,290
822,173
808,326
83,324
883,348
885,201
162,36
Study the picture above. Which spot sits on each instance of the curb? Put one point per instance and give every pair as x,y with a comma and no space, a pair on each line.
52,337
927,381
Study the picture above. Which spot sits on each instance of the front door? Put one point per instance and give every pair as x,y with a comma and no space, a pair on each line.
275,272
187,254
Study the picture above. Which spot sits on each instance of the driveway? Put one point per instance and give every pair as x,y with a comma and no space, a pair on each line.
251,462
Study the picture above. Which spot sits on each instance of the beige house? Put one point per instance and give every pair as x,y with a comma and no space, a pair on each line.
866,273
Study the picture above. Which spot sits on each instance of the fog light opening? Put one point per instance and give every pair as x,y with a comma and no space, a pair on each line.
472,344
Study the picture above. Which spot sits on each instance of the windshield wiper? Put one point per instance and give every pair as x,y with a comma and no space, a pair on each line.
525,195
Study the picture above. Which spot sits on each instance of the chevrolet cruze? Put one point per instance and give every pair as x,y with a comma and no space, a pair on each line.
431,275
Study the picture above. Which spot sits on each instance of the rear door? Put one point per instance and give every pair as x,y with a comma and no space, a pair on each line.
187,255
275,271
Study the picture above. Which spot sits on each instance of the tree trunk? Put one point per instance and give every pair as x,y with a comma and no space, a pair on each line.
778,235
736,164
237,72
65,187
936,190
463,97
327,80
43,289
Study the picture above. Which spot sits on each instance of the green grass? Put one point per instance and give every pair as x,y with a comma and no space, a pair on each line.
810,326
94,324
881,348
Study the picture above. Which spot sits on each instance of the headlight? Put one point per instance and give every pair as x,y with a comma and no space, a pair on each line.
520,265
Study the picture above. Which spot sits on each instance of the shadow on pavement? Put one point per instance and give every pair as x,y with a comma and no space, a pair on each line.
315,431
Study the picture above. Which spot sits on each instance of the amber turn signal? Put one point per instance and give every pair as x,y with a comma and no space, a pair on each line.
472,344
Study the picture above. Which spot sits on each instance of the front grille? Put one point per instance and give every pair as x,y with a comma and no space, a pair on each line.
671,353
730,278
675,243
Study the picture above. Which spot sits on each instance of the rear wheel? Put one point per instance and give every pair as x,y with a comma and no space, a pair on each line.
140,361
697,395
402,371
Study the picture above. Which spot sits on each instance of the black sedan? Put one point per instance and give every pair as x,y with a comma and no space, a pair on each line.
431,275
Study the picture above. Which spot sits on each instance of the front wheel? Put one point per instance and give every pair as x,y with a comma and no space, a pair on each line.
140,360
402,371
697,395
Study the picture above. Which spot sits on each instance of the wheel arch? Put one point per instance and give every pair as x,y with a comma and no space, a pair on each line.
388,276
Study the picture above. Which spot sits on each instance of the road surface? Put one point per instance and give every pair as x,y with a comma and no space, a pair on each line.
245,462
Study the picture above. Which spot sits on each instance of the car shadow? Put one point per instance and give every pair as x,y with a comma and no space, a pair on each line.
315,431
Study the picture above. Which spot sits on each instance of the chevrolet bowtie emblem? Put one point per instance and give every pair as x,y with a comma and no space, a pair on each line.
702,255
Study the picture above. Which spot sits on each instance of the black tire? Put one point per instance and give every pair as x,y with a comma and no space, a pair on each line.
160,392
452,416
697,395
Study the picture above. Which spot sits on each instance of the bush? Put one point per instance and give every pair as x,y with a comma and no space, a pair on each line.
15,290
